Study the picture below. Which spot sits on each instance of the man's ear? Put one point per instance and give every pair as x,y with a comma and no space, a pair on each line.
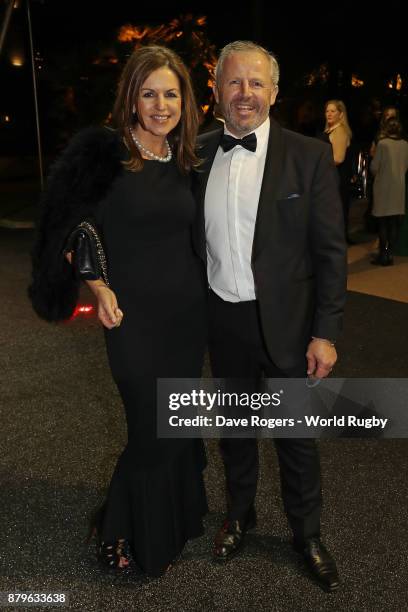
215,92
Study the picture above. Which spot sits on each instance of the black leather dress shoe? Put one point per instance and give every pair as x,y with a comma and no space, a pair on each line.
320,563
230,537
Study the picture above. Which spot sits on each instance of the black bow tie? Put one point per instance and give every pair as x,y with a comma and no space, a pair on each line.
248,142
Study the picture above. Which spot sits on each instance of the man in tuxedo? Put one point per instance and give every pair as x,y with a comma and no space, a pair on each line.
271,220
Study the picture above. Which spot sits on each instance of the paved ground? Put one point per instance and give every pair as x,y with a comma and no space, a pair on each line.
62,428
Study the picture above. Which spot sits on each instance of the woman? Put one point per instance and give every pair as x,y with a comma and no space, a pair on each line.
389,168
387,113
338,133
134,183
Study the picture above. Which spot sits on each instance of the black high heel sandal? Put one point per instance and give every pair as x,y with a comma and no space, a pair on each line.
112,555
115,555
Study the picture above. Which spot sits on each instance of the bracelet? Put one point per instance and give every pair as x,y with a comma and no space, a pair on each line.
324,340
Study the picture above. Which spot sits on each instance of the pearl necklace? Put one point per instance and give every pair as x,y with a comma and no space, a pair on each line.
164,160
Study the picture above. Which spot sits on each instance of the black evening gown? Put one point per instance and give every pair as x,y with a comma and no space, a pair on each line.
345,172
156,498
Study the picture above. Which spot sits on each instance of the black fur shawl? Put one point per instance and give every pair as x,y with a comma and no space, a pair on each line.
78,181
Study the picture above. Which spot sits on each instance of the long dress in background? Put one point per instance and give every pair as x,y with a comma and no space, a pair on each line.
345,172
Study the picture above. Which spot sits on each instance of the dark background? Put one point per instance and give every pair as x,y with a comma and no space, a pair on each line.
78,60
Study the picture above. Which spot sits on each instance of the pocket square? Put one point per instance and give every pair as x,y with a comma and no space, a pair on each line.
291,196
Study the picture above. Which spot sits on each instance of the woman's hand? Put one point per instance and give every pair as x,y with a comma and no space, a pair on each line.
109,313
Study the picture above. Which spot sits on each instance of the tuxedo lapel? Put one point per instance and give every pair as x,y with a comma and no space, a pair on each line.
265,225
207,149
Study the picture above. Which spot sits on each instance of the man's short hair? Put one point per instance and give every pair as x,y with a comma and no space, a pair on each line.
240,46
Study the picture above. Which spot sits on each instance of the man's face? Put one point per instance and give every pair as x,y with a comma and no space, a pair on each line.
245,91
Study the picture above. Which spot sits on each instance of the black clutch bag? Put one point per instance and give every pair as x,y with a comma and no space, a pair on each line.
88,255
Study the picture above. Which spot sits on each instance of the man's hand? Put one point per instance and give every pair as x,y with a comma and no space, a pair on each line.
321,356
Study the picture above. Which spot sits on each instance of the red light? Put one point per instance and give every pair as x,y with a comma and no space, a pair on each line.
79,310
85,309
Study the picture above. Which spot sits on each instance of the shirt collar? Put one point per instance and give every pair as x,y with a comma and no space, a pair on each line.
262,137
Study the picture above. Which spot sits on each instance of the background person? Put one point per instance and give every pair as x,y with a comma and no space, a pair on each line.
338,133
387,113
389,168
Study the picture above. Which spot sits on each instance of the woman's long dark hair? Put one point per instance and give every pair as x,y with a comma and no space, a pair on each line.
182,138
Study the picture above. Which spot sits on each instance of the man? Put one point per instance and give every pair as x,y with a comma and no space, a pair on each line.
277,273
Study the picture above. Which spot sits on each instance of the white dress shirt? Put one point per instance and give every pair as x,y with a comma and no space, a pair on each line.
231,205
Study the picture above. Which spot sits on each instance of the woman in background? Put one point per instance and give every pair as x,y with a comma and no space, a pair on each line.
387,113
389,168
338,133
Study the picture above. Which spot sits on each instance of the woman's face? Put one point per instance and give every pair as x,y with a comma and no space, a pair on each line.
333,115
159,104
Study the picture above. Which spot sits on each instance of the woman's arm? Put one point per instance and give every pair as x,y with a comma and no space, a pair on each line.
78,182
340,141
109,313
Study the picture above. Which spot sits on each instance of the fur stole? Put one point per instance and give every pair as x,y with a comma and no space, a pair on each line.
78,182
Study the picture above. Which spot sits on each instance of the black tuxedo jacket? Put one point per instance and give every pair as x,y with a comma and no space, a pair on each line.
299,250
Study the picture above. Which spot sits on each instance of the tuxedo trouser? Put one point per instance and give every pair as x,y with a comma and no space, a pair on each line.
238,355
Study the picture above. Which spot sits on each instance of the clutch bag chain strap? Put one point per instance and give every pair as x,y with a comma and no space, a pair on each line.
99,249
